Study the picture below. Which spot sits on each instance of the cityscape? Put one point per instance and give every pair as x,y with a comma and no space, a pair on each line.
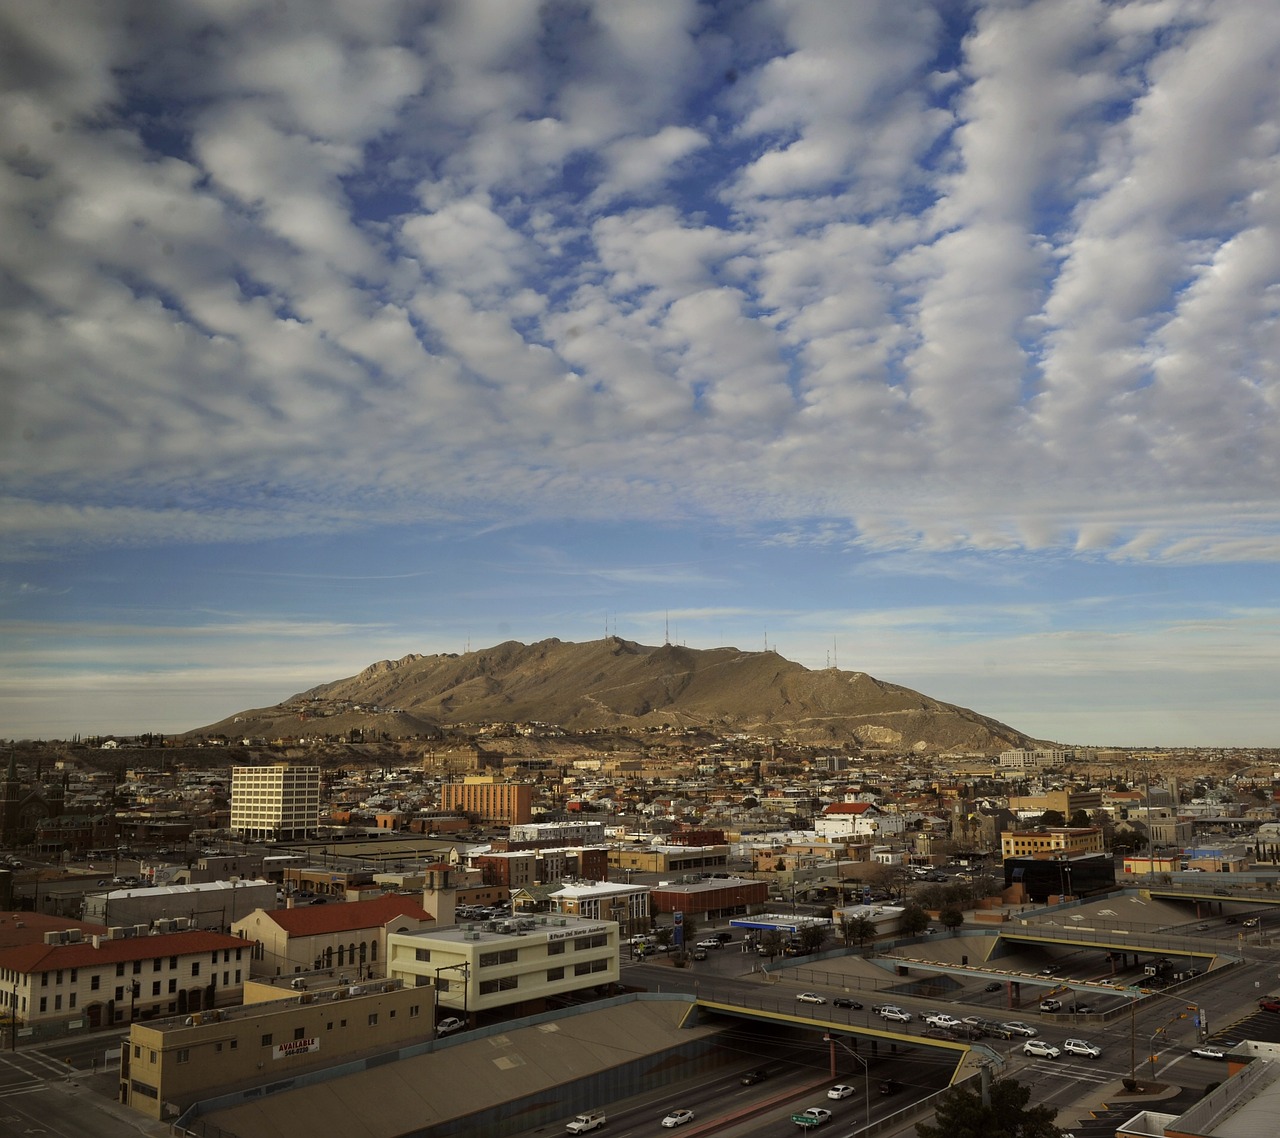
215,937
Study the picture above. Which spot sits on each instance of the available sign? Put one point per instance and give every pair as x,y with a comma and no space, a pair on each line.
294,1047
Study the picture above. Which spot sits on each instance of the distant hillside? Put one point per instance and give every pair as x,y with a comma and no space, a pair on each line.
617,683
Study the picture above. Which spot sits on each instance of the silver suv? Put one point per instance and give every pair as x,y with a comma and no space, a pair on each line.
1082,1047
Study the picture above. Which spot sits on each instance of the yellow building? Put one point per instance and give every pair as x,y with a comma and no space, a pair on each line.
1052,841
516,964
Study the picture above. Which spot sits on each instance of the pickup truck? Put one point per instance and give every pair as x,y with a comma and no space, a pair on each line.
587,1120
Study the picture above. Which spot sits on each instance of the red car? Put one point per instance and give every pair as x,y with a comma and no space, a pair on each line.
1269,1004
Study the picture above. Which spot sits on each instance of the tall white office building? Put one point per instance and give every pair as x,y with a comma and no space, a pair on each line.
275,803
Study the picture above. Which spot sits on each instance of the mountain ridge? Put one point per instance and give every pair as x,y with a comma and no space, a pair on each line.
616,683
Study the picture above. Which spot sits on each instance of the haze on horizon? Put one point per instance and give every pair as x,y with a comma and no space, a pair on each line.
935,340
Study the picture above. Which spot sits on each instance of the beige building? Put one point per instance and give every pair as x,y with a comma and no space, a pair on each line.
348,935
75,979
516,964
279,1033
1052,841
275,803
628,905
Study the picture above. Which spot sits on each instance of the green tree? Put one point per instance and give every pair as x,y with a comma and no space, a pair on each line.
1081,818
951,918
961,1114
771,942
860,929
811,938
1052,818
913,920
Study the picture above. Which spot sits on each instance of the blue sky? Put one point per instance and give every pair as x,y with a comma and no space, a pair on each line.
933,340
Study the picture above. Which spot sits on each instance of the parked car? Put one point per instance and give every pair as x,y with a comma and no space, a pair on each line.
845,1002
678,1118
1209,1052
810,998
752,1077
1269,1004
1019,1028
450,1023
841,1090
1040,1049
1082,1047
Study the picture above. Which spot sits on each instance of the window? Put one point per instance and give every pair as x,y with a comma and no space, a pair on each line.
120,968
422,954
137,967
589,966
95,982
119,995
57,1002
184,1053
504,984
599,940
155,965
555,974
44,1003
266,1040
299,1032
71,1000
414,1010
218,1046
173,962
74,974
237,975
195,968
505,956
373,1019
58,977
173,986
555,948
44,979
155,988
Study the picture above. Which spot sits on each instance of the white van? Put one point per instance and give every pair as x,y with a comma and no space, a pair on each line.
587,1120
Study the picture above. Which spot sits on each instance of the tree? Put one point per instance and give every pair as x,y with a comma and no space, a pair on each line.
913,920
771,942
961,1114
1052,818
951,918
811,938
1081,818
861,929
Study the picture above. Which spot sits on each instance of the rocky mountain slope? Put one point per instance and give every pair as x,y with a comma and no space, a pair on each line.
618,683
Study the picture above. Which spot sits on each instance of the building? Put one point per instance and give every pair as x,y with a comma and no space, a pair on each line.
518,966
517,869
489,800
1047,878
1034,760
336,936
275,803
577,833
628,905
207,905
1052,841
168,1065
857,820
669,859
710,898
24,805
75,978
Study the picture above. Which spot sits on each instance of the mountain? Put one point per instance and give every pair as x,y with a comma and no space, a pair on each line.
617,683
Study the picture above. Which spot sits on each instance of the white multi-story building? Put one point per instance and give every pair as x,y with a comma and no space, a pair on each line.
275,803
628,905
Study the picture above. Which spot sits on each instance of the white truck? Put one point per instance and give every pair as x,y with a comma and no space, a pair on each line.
587,1120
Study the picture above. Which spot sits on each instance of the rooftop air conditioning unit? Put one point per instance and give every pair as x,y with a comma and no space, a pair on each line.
75,936
472,936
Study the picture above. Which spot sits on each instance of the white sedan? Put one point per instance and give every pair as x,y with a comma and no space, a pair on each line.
1209,1052
841,1090
678,1118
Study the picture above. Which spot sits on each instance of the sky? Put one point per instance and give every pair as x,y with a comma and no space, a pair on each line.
934,340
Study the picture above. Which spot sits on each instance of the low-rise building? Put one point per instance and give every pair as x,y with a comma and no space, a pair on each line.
1052,841
206,905
351,935
78,978
710,898
517,965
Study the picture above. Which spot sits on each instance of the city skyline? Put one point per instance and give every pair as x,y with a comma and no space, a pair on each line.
932,340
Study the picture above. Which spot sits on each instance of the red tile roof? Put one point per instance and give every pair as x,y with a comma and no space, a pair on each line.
42,957
347,916
847,808
29,928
